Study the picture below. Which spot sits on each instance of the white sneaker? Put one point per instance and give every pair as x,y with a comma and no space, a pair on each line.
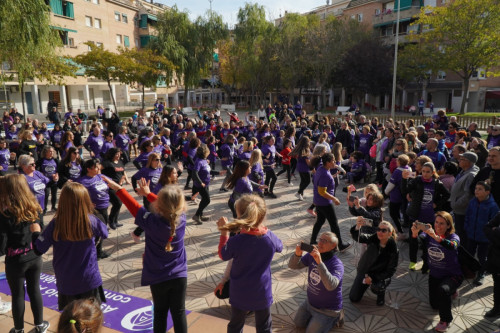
290,184
299,196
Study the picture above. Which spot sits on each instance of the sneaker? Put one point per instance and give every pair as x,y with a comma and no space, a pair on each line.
204,218
413,266
272,195
493,313
43,327
442,326
290,184
479,280
299,196
197,220
223,189
344,247
135,238
13,330
312,212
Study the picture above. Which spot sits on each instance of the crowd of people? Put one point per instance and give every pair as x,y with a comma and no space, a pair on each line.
436,178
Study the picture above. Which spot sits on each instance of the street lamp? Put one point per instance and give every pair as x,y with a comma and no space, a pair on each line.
396,43
212,73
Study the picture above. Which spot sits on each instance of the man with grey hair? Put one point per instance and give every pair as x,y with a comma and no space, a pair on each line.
460,195
437,157
473,130
323,307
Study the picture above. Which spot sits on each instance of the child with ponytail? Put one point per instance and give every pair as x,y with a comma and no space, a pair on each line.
252,251
165,263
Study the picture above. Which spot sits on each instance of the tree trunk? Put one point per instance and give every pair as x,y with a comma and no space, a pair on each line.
112,96
465,96
21,84
143,96
186,99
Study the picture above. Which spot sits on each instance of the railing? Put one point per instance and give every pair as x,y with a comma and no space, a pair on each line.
389,16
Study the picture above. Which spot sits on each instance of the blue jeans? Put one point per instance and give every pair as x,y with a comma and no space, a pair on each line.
312,320
263,320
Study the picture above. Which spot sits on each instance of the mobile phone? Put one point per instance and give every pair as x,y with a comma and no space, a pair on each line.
413,174
368,222
422,226
306,247
352,198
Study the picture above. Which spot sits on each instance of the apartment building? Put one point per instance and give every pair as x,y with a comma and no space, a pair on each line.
107,23
443,89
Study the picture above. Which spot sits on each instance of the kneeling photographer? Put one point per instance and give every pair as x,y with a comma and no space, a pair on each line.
377,264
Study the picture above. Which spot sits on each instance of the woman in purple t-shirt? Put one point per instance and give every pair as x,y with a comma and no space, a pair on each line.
252,250
303,155
445,274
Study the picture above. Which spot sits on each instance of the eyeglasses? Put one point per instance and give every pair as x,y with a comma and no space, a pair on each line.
32,164
157,160
323,240
399,144
382,230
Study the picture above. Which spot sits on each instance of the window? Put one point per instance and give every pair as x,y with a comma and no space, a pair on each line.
441,75
118,17
353,17
377,12
126,41
62,8
479,74
88,21
124,18
95,1
88,46
360,17
118,39
97,23
137,42
98,44
71,42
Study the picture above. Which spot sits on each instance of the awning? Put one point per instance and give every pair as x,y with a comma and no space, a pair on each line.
391,22
152,17
80,71
495,94
62,29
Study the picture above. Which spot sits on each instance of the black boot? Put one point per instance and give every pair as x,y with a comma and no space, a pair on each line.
381,299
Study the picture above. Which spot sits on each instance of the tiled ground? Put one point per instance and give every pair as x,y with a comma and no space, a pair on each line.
406,308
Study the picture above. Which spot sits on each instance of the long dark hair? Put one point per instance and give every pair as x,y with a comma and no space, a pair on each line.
239,172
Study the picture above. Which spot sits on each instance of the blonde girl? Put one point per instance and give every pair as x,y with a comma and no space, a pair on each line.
256,172
252,250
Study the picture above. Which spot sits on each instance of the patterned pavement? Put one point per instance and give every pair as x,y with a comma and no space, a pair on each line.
406,309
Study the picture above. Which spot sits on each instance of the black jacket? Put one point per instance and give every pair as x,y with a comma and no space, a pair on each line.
492,232
382,266
415,187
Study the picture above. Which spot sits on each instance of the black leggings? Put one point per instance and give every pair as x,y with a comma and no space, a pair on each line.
51,189
305,180
204,193
270,179
102,214
440,292
293,164
288,170
138,231
395,212
230,203
116,204
326,213
16,274
169,295
188,179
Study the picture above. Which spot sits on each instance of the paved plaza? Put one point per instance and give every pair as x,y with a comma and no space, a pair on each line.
406,309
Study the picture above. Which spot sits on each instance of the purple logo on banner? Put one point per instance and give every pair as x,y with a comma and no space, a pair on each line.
122,312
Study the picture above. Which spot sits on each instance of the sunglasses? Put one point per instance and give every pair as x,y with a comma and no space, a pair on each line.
32,164
382,230
322,240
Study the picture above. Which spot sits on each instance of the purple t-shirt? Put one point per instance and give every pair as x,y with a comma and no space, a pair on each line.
442,262
191,152
364,143
37,185
494,141
56,136
98,190
437,157
251,285
75,171
48,167
142,159
226,151
268,155
95,143
395,195
75,262
243,186
122,141
159,265
67,146
213,153
4,159
323,178
202,167
245,155
150,174
302,164
317,295
105,147
426,212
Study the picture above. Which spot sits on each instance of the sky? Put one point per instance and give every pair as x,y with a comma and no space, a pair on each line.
229,8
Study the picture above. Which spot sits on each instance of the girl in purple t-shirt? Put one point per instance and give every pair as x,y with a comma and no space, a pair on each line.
252,250
303,154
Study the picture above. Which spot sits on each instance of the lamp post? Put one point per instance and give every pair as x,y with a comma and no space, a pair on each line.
212,72
396,43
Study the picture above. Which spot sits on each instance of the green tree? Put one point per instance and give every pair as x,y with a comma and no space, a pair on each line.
189,45
29,44
146,69
465,36
105,65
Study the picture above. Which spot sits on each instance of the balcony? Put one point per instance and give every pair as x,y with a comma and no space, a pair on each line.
389,17
390,40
